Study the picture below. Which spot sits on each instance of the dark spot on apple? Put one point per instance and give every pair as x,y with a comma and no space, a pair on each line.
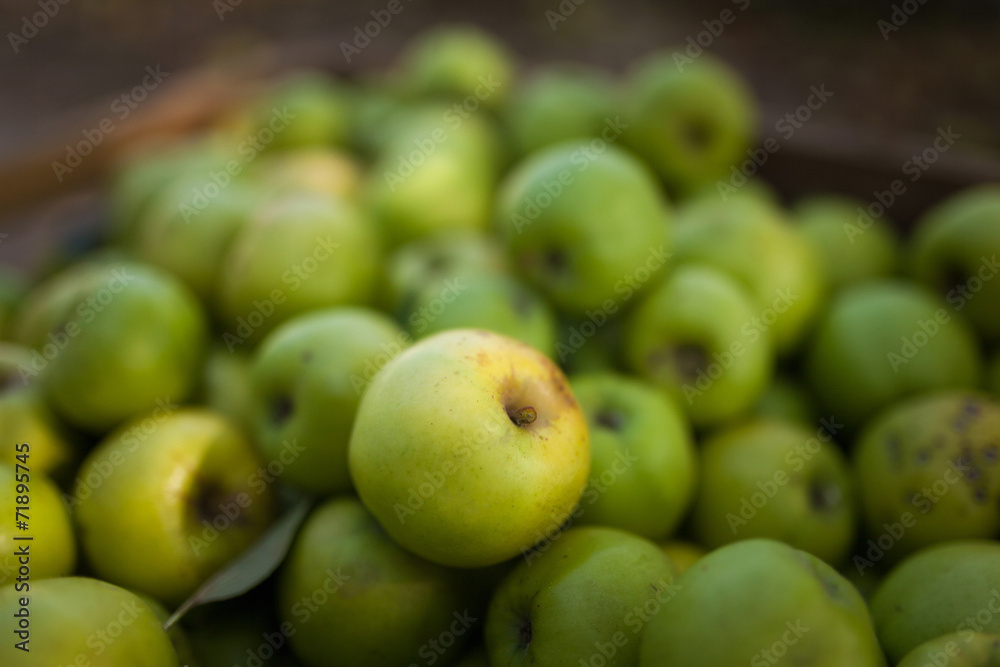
990,454
307,356
523,302
555,261
824,495
696,134
208,499
281,408
613,420
523,416
688,359
524,632
980,496
437,263
922,456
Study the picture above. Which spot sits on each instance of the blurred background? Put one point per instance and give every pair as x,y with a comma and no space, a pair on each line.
898,72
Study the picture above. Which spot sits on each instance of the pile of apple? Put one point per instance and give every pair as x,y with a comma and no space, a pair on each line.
548,386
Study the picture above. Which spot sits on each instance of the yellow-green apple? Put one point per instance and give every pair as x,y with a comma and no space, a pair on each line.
81,621
693,121
111,339
308,108
884,340
772,603
693,336
853,246
928,470
457,62
355,597
941,589
683,554
36,540
467,446
167,499
780,480
497,303
642,461
583,598
955,249
302,251
752,240
559,103
586,224
306,380
319,169
958,649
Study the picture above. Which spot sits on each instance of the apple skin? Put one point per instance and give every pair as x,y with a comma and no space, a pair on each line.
586,228
384,604
559,103
954,250
752,240
587,593
642,461
785,398
937,591
683,554
53,546
77,621
100,377
151,497
497,303
307,109
437,457
936,458
186,233
763,593
434,175
850,254
314,169
225,385
692,123
683,335
855,363
456,62
302,251
959,649
804,482
306,381
438,261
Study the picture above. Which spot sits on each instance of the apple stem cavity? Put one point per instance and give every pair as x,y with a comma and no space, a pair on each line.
523,416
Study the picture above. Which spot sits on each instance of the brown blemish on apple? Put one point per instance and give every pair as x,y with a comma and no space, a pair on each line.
281,408
686,360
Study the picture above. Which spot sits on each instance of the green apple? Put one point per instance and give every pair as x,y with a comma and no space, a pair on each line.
307,109
692,121
643,466
80,621
111,340
355,597
187,231
945,588
43,546
583,598
302,251
306,380
315,168
772,603
954,250
178,637
885,340
586,227
852,249
434,175
438,261
467,445
683,554
959,649
693,335
785,398
167,499
457,62
754,242
930,467
498,303
26,417
225,385
559,103
779,480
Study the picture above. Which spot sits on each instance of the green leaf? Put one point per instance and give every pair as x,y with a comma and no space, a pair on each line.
252,566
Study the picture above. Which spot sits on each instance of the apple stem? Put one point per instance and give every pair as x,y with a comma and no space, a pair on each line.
524,416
